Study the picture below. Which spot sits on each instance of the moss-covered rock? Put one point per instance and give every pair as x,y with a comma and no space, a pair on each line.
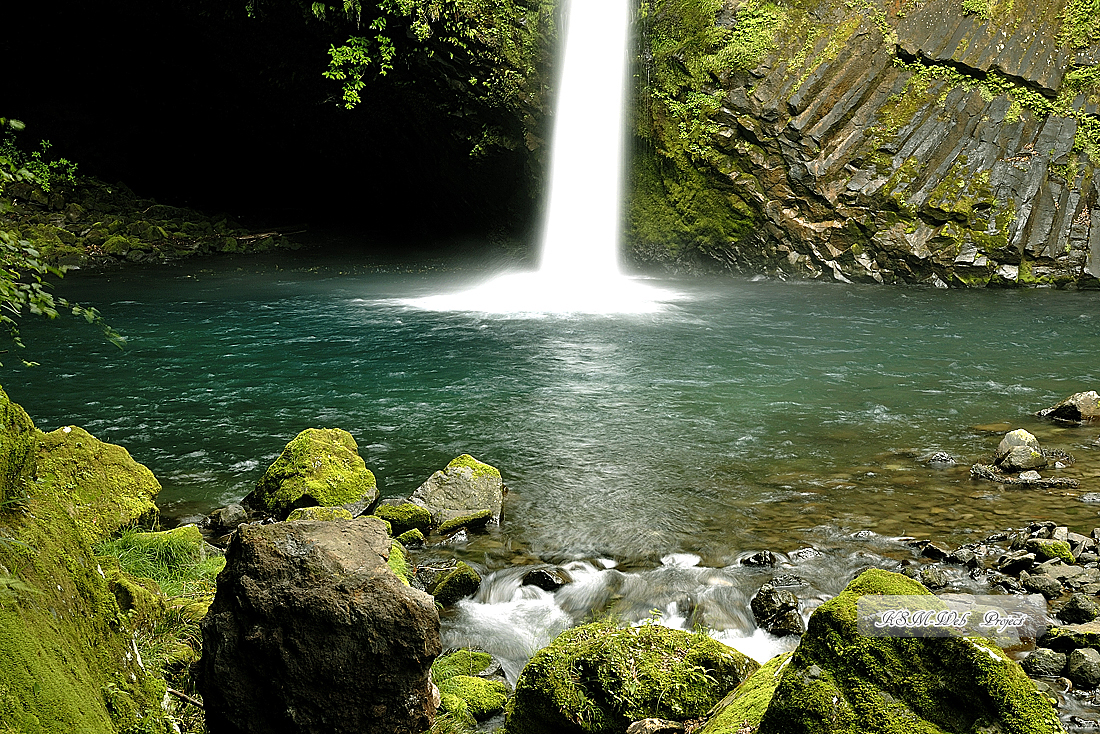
323,514
599,678
320,466
18,439
471,520
100,484
411,538
67,661
398,561
466,485
841,681
405,516
1047,548
460,662
463,581
743,707
483,698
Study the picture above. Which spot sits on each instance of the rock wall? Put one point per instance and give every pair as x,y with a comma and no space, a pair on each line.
936,141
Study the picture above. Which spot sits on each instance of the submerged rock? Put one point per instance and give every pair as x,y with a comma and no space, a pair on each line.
311,631
1082,407
465,486
776,610
547,579
599,678
839,680
320,466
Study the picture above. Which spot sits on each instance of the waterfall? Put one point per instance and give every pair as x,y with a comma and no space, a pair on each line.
579,269
581,236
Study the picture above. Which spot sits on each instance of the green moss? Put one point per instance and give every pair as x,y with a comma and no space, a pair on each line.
397,562
405,517
67,661
484,698
1046,549
319,514
744,707
320,466
18,443
480,469
177,560
460,662
456,708
458,584
411,537
100,484
895,685
599,678
473,519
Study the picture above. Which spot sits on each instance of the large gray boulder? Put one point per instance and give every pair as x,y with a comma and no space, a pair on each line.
464,487
311,632
1081,407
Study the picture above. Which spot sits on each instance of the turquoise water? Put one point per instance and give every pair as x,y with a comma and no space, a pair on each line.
747,415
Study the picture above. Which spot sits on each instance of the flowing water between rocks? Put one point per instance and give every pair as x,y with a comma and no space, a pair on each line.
650,453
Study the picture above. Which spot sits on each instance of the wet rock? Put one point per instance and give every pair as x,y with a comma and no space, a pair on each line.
320,466
776,610
547,579
933,577
465,521
1023,458
760,559
1015,439
970,679
465,486
311,631
788,580
1078,610
1083,668
411,538
964,557
1041,584
1044,663
1072,636
934,551
226,519
460,582
616,676
1030,476
1082,407
655,726
941,459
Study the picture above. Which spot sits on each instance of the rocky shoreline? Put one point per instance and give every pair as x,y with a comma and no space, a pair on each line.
312,618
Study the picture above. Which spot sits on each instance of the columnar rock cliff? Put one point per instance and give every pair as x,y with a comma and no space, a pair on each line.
949,142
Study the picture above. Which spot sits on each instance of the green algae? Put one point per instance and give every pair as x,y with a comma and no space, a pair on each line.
320,466
599,678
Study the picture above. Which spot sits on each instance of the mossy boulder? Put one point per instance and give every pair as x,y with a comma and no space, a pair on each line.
320,514
599,678
1046,549
404,516
466,485
100,484
411,538
839,681
18,439
483,698
469,520
743,707
463,581
320,466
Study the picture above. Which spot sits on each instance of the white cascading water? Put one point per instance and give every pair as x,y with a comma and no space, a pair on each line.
579,269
